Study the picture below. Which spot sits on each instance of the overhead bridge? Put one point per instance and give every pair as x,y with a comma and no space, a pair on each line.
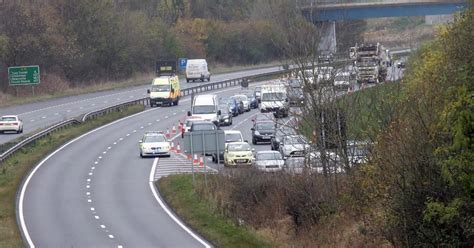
353,11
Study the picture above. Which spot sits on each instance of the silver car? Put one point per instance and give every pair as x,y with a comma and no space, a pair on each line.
268,161
293,146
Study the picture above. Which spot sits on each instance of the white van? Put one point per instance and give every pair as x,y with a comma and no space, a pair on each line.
274,99
196,69
206,107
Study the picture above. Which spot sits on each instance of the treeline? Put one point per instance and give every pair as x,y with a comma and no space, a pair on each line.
82,41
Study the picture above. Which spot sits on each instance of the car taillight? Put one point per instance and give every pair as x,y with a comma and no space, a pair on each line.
1,124
15,123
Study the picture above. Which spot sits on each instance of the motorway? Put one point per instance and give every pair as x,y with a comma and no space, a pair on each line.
95,190
42,114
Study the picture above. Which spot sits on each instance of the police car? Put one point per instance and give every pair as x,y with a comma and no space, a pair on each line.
154,144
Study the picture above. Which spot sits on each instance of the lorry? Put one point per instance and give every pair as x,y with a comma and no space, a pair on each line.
165,88
196,69
274,99
371,62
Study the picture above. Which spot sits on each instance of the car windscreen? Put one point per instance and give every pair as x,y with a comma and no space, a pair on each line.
233,137
224,109
203,126
204,109
294,140
160,88
273,96
295,83
238,147
269,156
154,138
265,126
241,98
8,118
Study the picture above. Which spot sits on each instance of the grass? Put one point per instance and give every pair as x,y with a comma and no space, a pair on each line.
15,168
198,213
139,79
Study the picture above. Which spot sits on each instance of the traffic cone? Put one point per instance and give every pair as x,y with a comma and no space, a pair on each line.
195,160
173,130
201,162
180,126
168,133
190,157
172,146
178,149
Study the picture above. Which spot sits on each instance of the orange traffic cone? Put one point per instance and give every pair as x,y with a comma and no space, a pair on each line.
178,149
201,162
173,130
172,146
168,133
195,160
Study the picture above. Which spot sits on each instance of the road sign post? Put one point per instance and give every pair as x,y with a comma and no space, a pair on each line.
24,75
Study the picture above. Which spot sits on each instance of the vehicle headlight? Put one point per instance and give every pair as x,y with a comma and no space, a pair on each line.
257,133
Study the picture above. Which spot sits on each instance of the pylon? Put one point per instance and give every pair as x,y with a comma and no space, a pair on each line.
201,162
173,130
178,148
172,146
168,133
195,160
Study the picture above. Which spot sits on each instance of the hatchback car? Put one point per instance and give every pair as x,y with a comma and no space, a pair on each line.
262,131
11,123
230,137
268,161
245,100
238,153
225,119
293,145
232,103
202,126
251,97
154,144
278,137
240,104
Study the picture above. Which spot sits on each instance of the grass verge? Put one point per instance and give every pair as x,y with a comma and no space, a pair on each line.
15,168
178,192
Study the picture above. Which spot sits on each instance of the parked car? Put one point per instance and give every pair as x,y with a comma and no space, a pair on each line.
232,103
252,99
238,153
154,144
230,137
11,123
244,99
262,131
278,137
268,161
293,146
226,115
202,126
240,104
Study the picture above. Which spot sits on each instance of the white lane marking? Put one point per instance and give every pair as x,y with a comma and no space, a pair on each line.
158,199
56,113
119,246
93,168
68,110
115,143
88,193
89,200
90,174
121,139
174,113
81,107
104,152
244,120
88,179
96,217
100,157
134,131
142,127
102,226
166,117
43,117
96,162
158,120
130,96
32,120
111,236
92,209
128,134
149,124
108,148
88,186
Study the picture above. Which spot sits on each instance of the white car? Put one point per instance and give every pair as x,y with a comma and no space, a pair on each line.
245,101
11,123
294,146
154,144
268,161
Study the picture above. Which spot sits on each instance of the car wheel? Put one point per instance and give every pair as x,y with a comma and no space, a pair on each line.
209,79
254,141
141,155
18,131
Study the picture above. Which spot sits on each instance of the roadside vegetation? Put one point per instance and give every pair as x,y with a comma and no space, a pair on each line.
415,190
14,169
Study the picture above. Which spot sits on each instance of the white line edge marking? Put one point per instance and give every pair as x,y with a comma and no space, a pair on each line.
25,184
158,199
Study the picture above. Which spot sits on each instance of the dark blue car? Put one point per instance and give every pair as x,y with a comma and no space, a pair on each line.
252,99
232,103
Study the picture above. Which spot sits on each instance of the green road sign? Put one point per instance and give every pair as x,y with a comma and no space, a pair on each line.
24,75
